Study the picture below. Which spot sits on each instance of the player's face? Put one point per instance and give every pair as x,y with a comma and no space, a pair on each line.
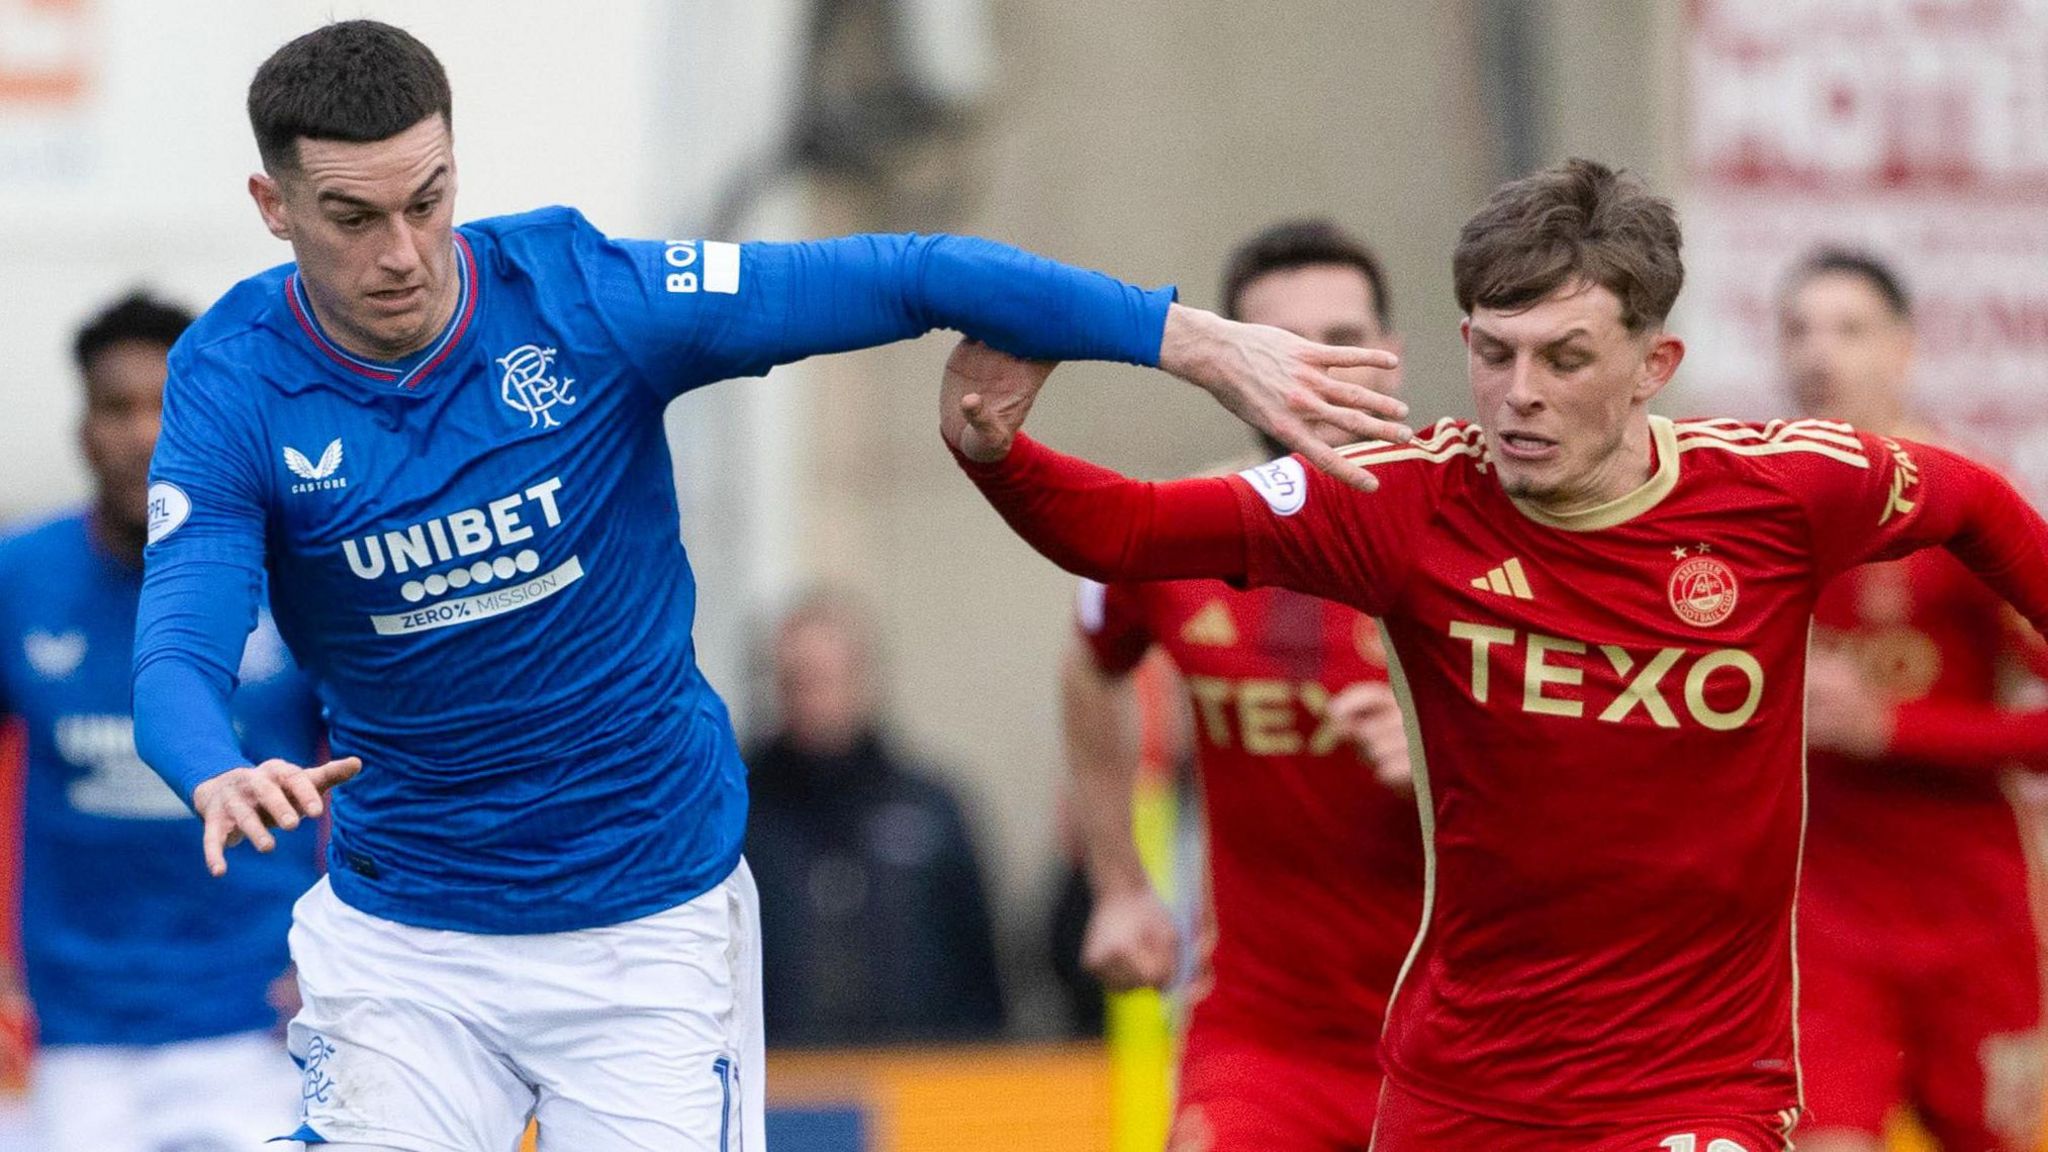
1562,389
124,400
1843,351
370,225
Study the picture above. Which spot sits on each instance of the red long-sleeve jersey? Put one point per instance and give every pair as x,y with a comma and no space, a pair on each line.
1922,844
1610,710
1315,867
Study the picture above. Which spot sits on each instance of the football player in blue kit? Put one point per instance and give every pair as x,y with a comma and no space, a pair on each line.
444,445
150,982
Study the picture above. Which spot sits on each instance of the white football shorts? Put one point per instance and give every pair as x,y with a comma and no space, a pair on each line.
225,1094
644,1035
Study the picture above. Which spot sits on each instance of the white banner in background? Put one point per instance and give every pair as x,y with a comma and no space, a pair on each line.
1916,129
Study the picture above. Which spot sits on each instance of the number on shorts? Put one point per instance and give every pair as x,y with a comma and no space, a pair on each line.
1690,1142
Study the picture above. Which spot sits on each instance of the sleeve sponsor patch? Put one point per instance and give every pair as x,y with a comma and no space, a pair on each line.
721,267
710,266
1282,484
168,508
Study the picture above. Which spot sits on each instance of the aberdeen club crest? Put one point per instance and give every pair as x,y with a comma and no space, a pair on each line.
1703,589
528,387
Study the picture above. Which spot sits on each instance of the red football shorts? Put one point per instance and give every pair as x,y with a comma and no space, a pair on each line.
1240,1094
1408,1123
1951,1028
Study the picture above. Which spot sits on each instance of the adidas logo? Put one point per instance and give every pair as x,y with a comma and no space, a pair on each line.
1212,627
1507,580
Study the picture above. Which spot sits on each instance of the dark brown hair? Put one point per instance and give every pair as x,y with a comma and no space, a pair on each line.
1298,244
1832,261
358,80
1576,221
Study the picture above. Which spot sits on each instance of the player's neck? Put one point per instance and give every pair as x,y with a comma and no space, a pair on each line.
121,539
1626,469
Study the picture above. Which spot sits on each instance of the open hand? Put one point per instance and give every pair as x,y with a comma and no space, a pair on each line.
246,803
1285,386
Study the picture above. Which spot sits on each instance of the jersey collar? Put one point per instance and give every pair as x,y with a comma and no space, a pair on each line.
1626,507
407,373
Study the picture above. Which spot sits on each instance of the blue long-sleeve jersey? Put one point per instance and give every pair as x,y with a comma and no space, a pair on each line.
125,939
475,551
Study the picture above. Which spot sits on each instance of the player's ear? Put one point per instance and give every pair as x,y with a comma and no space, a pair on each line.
269,197
1660,363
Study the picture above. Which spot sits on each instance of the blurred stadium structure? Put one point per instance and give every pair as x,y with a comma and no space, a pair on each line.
1141,136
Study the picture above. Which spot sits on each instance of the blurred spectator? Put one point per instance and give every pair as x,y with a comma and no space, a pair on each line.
874,921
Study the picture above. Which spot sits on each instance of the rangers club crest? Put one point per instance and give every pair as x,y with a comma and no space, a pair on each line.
528,388
1703,589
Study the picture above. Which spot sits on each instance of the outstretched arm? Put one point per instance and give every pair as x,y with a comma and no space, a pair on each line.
688,313
1087,519
1278,524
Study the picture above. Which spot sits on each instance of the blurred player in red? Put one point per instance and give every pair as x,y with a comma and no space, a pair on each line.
1314,851
1598,622
1920,969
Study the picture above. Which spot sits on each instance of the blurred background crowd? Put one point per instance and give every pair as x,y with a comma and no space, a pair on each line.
890,649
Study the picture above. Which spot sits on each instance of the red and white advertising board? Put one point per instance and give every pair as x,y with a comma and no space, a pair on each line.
1914,129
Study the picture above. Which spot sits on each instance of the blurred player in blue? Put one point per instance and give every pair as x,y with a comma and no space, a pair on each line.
150,983
445,446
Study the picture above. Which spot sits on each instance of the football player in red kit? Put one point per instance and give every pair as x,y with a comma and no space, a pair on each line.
1315,859
1610,753
1920,971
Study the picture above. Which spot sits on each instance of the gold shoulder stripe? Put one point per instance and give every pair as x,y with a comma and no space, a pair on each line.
1431,443
1776,431
1767,448
1832,431
1432,439
1830,425
1395,455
